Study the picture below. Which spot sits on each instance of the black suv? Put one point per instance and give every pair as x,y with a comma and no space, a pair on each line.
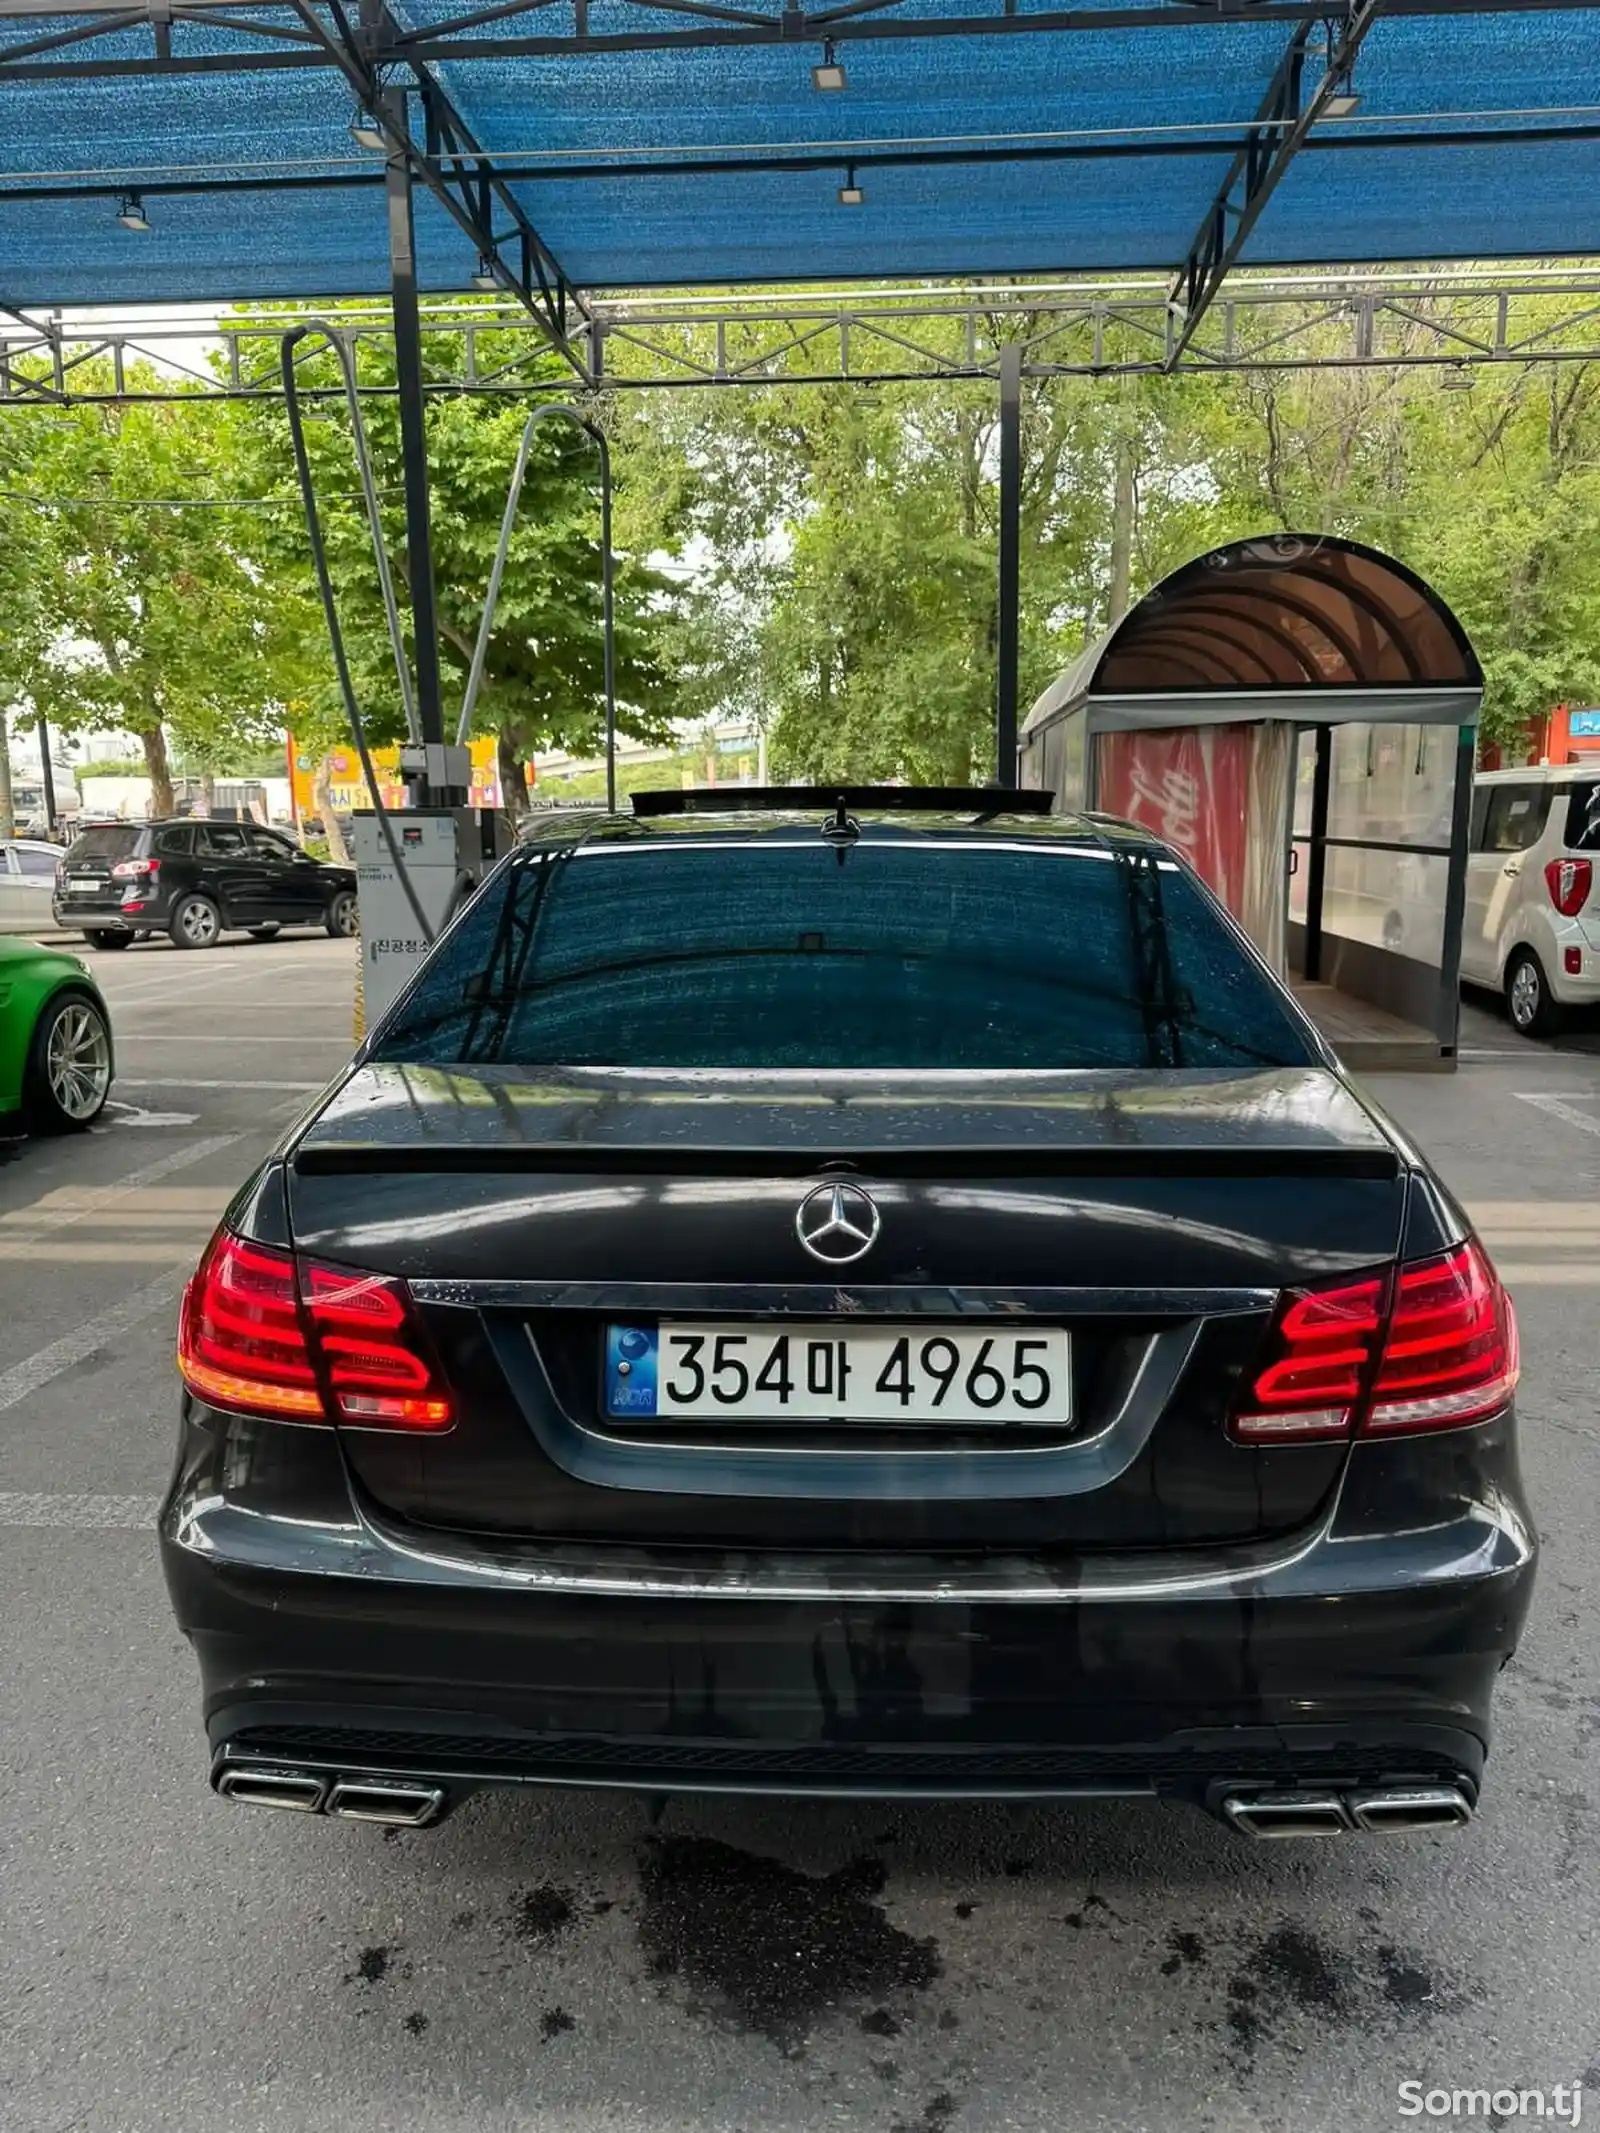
194,880
888,1298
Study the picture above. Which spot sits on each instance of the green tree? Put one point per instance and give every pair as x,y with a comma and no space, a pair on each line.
142,610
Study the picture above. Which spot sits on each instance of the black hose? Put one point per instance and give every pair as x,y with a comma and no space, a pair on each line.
319,558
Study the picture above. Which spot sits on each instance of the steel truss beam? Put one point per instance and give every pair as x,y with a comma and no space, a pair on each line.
449,161
1282,124
265,43
1450,324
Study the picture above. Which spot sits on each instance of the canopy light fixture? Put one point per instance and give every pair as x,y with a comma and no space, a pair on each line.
484,275
366,132
830,75
131,214
850,194
1343,104
1457,379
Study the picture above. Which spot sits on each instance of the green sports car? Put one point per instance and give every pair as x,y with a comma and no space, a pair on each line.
55,1041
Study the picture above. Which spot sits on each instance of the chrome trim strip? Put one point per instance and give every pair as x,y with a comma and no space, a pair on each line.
840,1300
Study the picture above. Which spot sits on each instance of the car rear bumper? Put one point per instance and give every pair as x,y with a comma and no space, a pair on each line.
83,916
340,1643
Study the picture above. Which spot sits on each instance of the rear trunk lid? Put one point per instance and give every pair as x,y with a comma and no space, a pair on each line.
1153,1215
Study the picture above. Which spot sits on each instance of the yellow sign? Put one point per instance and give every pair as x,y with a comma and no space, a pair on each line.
347,788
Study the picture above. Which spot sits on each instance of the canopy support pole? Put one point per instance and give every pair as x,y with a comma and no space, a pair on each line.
1317,850
1448,1027
414,454
1008,595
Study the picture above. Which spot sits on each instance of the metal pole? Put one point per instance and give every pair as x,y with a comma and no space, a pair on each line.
480,654
1448,1025
607,615
414,449
1005,723
49,775
1317,851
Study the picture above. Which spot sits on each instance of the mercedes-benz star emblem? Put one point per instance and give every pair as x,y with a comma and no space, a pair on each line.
838,1223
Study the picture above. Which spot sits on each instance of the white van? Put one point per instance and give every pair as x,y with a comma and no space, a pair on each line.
1532,926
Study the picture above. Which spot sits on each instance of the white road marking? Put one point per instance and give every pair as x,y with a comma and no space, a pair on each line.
232,1037
55,1210
1558,1107
306,1088
85,1514
1549,1274
136,1115
88,1339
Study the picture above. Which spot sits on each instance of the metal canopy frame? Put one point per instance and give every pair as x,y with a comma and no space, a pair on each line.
1451,323
397,71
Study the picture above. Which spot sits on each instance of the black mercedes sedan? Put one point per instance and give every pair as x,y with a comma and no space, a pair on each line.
880,1294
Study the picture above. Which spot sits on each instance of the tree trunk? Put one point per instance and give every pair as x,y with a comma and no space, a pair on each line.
322,801
154,742
8,820
513,775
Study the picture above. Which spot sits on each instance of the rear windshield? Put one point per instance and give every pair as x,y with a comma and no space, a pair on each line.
107,840
904,956
1583,819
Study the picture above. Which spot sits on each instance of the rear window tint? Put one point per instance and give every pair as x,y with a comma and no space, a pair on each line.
108,840
1583,819
909,955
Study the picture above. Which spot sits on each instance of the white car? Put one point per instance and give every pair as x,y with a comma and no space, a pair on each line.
27,876
1532,928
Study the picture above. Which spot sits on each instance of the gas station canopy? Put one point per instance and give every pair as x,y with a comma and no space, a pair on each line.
585,144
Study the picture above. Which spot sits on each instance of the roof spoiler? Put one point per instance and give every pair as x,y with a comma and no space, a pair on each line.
884,799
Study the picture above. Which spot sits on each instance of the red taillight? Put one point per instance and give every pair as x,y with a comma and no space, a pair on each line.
1569,882
363,1328
1434,1349
136,870
261,1334
241,1343
1323,1348
1450,1355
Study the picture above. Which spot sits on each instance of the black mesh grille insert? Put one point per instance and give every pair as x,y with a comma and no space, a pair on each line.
757,1763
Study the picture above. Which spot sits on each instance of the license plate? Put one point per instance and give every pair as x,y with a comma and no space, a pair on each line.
939,1375
82,884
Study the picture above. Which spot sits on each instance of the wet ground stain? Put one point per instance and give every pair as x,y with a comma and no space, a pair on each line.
416,2024
771,1948
555,2022
1294,1975
542,1913
935,2115
1093,1911
372,1967
1184,1949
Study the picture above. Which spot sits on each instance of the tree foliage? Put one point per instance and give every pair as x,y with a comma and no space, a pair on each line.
818,558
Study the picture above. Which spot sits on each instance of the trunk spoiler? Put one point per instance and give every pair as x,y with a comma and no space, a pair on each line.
1188,1160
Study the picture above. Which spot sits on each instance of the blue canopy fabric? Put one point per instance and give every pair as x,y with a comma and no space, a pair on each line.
974,153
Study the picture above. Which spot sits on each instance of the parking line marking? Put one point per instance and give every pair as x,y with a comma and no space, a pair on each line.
94,1334
1558,1107
306,1044
85,1514
305,1088
70,1204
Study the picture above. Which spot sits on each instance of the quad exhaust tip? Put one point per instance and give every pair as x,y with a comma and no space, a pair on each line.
398,1803
1375,1810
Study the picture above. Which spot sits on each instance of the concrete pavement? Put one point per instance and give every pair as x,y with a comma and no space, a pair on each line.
170,1963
